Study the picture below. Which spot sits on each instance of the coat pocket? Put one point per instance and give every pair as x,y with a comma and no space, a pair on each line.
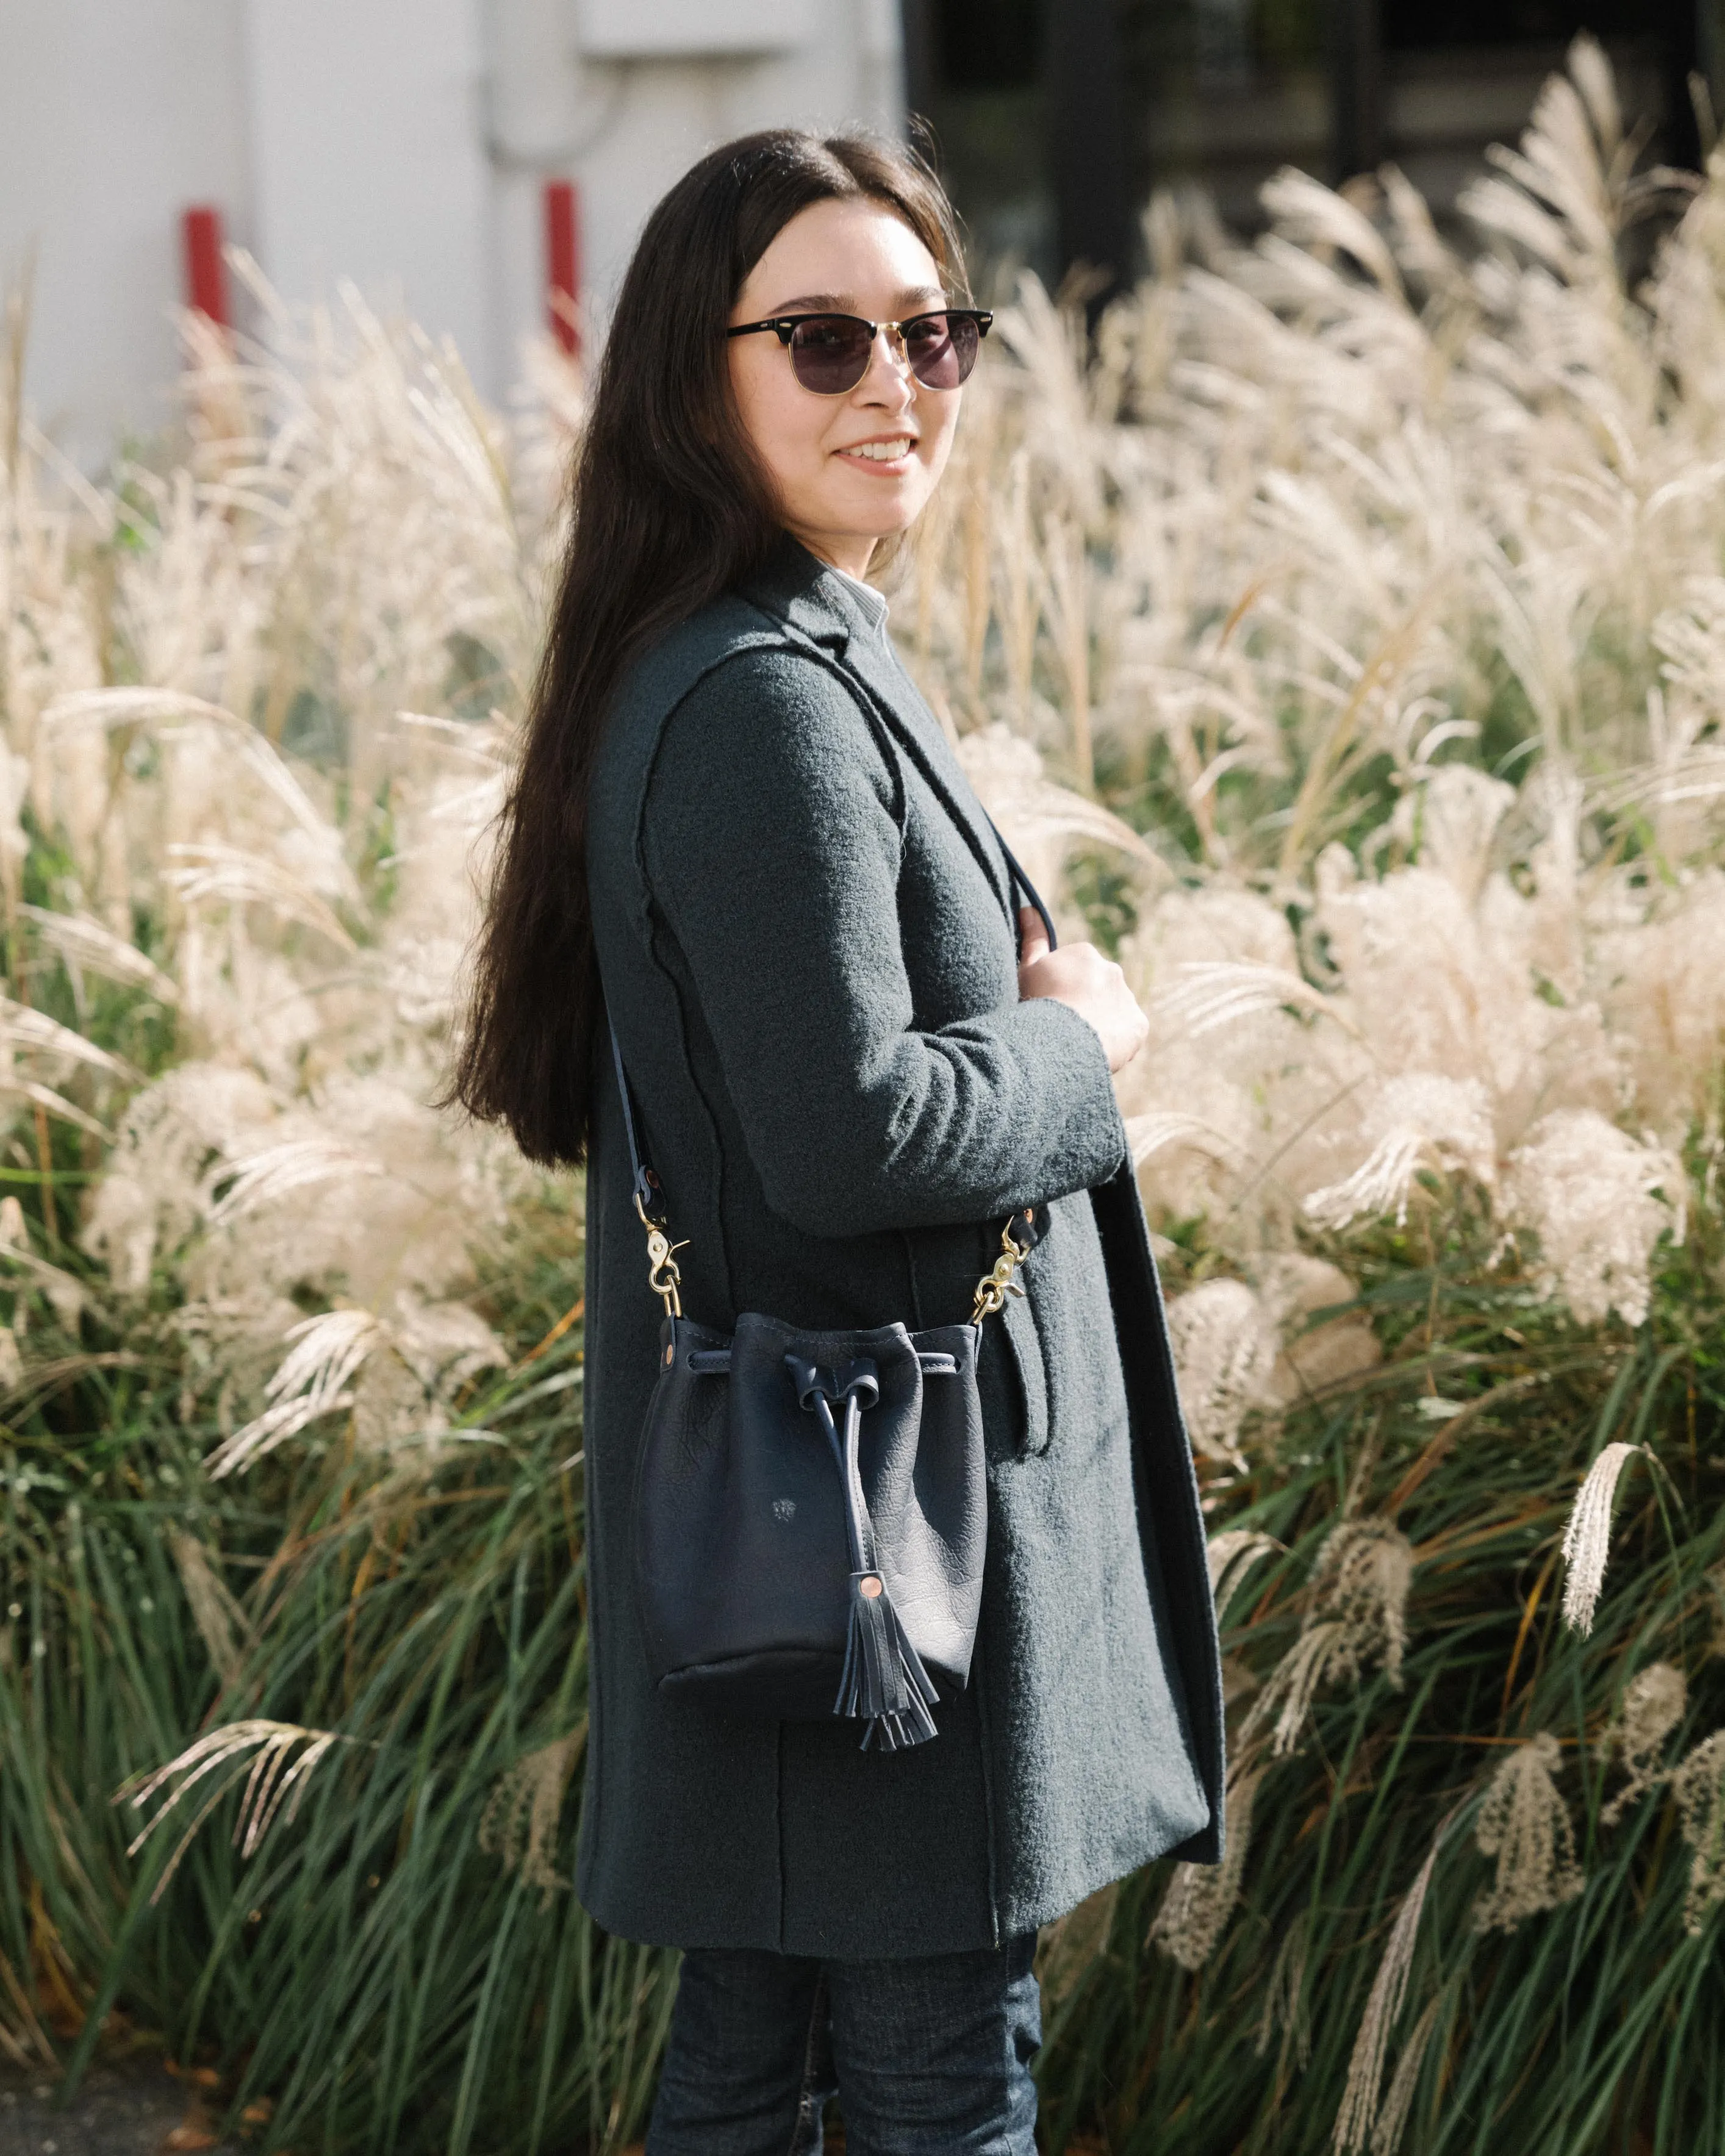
1023,1345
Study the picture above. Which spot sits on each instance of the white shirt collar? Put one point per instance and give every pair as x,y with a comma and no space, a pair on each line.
872,602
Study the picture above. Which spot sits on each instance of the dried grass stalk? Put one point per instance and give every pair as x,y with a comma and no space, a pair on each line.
1698,1786
1392,2119
221,1624
1653,1705
519,1824
1194,1911
1371,2047
1232,1554
268,1781
1586,1538
1524,1824
1284,2009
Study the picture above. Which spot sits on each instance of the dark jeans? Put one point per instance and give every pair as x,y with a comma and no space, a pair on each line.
928,2057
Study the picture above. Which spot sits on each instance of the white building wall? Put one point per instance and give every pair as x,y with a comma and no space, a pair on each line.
623,126
113,118
367,160
402,143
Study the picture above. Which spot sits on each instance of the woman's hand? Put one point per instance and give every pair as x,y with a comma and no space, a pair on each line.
1079,976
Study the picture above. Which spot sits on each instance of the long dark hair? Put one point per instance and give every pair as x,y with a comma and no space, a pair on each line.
670,508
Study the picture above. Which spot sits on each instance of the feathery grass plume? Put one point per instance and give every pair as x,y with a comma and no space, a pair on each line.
1524,1824
273,1171
1149,1134
213,875
1417,1116
84,942
67,1295
1208,996
1358,1615
1363,1575
37,1034
1326,1338
1653,1705
1232,1554
1698,1785
1045,821
270,1781
1392,2120
1586,1537
1200,1897
1225,1351
1292,1685
311,1382
1379,1184
221,1623
53,1104
1371,2047
1598,1201
519,1824
1284,2009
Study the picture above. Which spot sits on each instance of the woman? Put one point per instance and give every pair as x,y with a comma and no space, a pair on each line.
735,812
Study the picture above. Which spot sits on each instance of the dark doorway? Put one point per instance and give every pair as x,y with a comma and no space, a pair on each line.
1053,119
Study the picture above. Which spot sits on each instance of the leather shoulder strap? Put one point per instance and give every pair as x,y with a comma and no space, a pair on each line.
1024,884
646,1189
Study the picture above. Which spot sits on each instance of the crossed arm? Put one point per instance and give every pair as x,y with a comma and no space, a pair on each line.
773,852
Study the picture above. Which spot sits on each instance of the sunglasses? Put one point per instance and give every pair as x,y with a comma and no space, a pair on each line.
830,353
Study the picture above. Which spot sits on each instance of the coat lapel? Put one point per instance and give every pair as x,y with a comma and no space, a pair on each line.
900,703
813,599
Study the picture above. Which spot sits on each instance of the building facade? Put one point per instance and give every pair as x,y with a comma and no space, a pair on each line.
404,144
408,144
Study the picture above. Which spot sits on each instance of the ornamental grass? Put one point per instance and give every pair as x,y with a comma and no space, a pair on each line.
1340,627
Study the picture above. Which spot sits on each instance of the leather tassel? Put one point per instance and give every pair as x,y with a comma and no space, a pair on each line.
883,1682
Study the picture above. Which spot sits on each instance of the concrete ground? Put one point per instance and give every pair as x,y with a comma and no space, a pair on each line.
133,2107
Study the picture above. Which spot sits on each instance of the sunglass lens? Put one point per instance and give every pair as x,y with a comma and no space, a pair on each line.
942,349
830,353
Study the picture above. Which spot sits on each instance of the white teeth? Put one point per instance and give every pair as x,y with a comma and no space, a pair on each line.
883,453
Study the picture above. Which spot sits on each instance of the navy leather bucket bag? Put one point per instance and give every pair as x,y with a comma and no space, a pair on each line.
811,1507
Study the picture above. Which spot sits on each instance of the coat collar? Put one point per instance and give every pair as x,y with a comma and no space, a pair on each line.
802,591
815,600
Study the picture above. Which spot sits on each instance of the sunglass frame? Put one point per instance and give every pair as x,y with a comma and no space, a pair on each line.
784,327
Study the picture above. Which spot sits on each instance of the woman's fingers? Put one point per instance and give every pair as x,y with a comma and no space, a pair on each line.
1080,976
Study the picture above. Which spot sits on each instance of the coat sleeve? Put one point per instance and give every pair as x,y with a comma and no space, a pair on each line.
772,845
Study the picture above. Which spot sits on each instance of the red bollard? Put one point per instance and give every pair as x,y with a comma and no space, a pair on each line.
206,271
563,265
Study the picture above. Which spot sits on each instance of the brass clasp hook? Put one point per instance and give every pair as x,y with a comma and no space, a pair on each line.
992,1289
663,1276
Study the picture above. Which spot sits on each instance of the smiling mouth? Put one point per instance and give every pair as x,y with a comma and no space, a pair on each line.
889,452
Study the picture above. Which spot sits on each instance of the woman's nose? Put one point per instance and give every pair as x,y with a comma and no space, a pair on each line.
889,366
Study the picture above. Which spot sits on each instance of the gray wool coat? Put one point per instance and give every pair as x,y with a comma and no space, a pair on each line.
806,933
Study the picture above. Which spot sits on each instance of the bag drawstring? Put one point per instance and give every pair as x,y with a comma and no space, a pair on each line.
883,1683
